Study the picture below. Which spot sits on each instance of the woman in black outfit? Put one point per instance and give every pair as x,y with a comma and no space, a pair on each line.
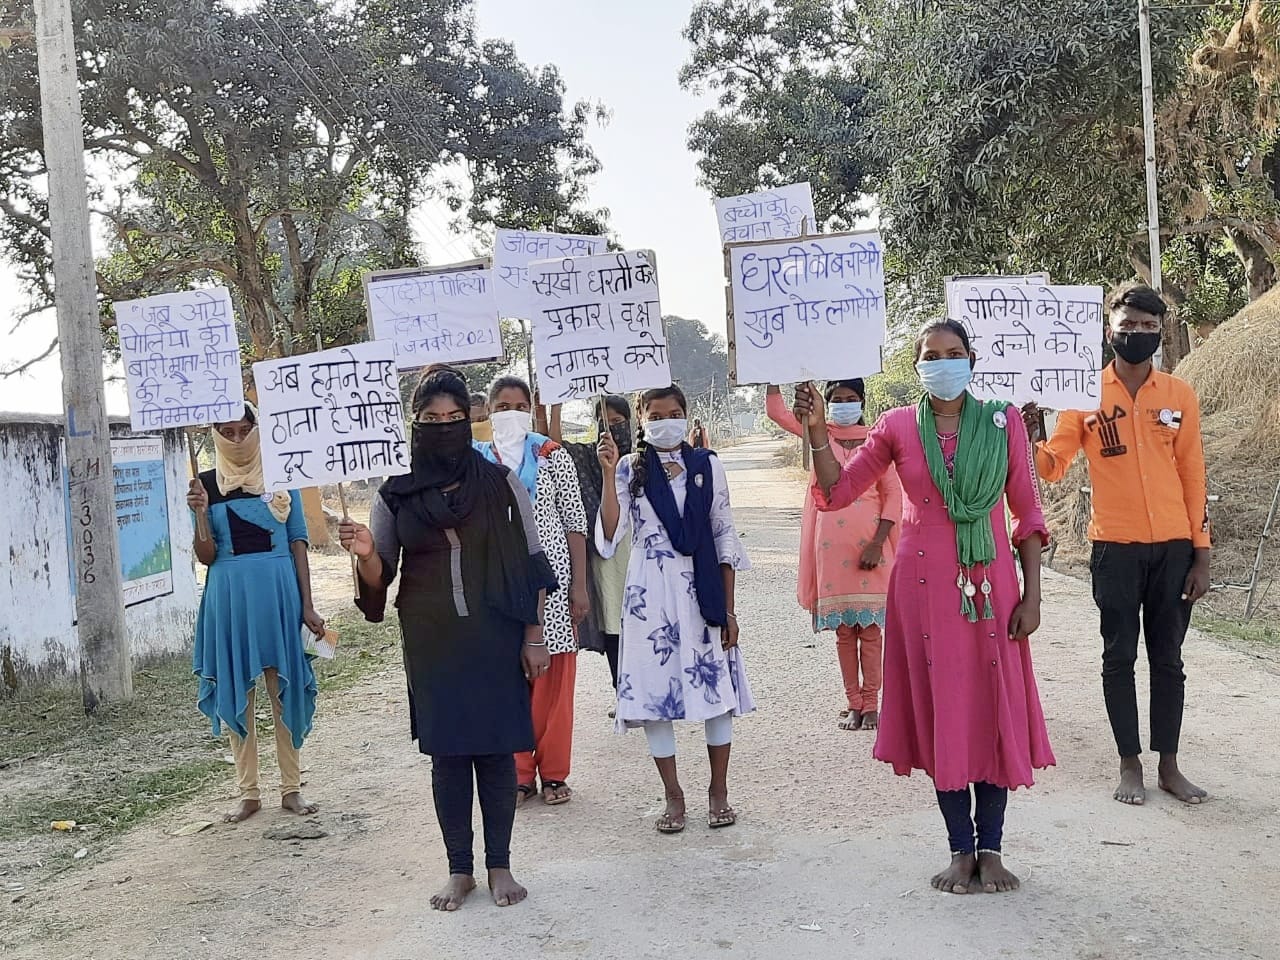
473,579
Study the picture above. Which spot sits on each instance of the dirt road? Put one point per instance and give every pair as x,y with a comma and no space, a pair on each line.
831,858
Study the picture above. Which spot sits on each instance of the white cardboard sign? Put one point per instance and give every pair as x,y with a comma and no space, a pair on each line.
597,325
1035,342
514,250
807,309
776,214
331,416
181,359
435,317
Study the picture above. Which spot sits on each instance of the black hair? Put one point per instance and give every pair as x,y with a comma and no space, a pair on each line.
618,405
479,400
1138,296
943,326
502,383
856,384
437,380
639,472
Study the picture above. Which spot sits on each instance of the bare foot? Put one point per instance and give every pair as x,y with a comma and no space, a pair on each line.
246,810
871,720
957,877
673,818
992,877
294,803
453,893
1131,790
506,892
1172,781
851,721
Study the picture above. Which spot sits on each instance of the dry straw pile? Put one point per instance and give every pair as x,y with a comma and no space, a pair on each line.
1236,373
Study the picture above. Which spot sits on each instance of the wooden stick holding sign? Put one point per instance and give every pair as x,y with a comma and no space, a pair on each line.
202,519
355,563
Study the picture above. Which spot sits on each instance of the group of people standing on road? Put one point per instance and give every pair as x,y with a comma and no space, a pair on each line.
514,549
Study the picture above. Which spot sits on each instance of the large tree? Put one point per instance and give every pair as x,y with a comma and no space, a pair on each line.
280,148
1007,137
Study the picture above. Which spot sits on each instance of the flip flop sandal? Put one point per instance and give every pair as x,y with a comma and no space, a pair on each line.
554,785
725,817
526,790
668,824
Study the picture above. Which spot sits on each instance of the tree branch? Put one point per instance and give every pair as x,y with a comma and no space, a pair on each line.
23,367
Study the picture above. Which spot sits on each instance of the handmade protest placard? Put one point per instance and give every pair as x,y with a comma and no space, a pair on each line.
955,285
806,309
181,359
435,315
1041,343
768,215
514,250
597,325
331,416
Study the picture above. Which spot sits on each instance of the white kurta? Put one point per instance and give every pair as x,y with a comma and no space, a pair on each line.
671,665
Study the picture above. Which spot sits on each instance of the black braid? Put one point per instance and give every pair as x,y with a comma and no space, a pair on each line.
639,467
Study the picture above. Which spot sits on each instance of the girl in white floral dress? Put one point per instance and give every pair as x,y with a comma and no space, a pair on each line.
679,657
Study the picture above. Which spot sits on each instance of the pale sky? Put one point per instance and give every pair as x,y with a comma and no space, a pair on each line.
626,55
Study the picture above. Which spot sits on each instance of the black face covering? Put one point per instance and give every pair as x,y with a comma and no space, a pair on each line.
621,433
440,451
1135,347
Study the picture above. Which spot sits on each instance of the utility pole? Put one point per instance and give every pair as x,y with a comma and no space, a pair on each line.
1149,147
105,670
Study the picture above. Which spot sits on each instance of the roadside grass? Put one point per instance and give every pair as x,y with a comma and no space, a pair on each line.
1256,632
133,761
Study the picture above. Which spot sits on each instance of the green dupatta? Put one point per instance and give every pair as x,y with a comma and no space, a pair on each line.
981,471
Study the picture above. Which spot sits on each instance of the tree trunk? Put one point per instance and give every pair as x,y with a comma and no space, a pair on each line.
1259,271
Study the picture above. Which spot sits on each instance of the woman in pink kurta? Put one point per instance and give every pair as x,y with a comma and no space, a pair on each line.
846,556
960,698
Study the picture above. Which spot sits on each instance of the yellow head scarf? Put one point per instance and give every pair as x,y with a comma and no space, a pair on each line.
238,466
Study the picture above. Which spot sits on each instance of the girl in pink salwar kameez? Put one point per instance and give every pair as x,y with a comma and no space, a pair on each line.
846,555
960,698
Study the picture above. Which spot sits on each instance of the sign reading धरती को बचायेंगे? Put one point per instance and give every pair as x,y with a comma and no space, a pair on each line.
597,326
331,416
142,518
514,250
807,309
435,315
181,357
777,214
1034,342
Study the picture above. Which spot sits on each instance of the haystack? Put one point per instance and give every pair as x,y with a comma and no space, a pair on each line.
1236,373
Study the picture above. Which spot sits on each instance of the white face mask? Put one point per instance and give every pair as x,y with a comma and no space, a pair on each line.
666,434
510,428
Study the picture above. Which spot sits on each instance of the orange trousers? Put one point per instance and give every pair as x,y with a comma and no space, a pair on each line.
552,723
861,647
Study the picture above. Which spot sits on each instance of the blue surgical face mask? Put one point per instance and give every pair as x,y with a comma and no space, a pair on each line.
845,414
945,379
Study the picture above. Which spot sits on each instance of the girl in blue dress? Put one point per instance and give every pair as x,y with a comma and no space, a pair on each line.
257,601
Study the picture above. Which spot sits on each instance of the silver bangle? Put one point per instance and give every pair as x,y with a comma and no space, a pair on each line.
825,446
528,643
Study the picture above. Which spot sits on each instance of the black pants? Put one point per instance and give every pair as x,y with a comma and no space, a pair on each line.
611,654
958,812
495,780
1147,579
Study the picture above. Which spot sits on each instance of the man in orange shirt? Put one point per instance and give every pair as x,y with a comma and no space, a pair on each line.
1150,530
